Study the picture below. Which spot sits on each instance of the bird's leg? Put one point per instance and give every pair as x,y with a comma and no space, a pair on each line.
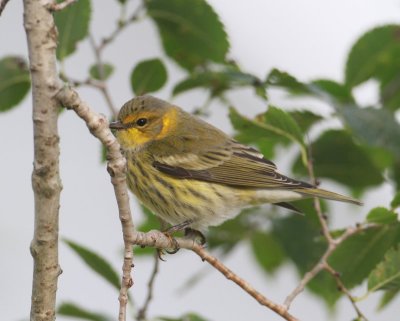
195,235
179,227
173,229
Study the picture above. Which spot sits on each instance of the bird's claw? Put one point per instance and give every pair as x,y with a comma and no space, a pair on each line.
195,235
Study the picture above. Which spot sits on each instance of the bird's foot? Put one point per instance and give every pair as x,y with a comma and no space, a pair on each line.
195,235
168,233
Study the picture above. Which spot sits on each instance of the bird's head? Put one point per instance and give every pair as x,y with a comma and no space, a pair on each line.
144,119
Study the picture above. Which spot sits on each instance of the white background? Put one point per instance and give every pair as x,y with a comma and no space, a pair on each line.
308,38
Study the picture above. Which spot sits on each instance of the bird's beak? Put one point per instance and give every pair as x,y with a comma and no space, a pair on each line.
117,125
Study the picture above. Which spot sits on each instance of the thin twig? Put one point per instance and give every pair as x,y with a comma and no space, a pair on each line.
77,83
323,262
279,309
343,288
116,167
150,288
317,204
3,4
122,24
53,7
333,243
103,89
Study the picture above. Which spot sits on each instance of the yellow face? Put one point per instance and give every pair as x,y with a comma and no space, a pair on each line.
142,127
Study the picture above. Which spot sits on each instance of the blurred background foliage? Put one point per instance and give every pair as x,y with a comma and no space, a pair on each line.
360,154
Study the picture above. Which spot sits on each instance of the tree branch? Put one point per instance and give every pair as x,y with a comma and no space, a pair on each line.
159,240
3,4
41,37
53,7
116,167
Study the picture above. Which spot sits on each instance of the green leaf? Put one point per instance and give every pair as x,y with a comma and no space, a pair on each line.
390,90
381,215
191,31
374,55
14,82
96,263
387,298
251,130
280,122
267,251
356,257
337,93
186,317
382,158
386,275
273,124
218,81
73,26
305,119
395,173
396,201
301,240
72,310
148,76
227,235
324,89
374,127
101,71
151,222
335,156
284,80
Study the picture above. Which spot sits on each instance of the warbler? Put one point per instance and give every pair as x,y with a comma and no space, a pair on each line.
193,175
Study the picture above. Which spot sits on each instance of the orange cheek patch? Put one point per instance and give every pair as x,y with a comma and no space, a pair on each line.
169,123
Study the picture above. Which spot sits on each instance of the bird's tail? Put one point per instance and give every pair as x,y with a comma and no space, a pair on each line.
317,192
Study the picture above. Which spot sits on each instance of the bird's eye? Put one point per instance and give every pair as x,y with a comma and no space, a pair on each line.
141,122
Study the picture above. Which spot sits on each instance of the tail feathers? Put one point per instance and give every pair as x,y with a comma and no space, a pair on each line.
316,192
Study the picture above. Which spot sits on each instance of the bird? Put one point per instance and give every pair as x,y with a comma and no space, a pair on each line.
191,174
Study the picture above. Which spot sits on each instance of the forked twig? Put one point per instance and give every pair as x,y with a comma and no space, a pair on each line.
333,243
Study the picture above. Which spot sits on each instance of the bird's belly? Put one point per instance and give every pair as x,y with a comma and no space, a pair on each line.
179,200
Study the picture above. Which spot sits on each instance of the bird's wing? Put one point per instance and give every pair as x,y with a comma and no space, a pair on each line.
233,164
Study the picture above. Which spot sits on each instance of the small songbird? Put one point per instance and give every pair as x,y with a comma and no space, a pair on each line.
191,174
